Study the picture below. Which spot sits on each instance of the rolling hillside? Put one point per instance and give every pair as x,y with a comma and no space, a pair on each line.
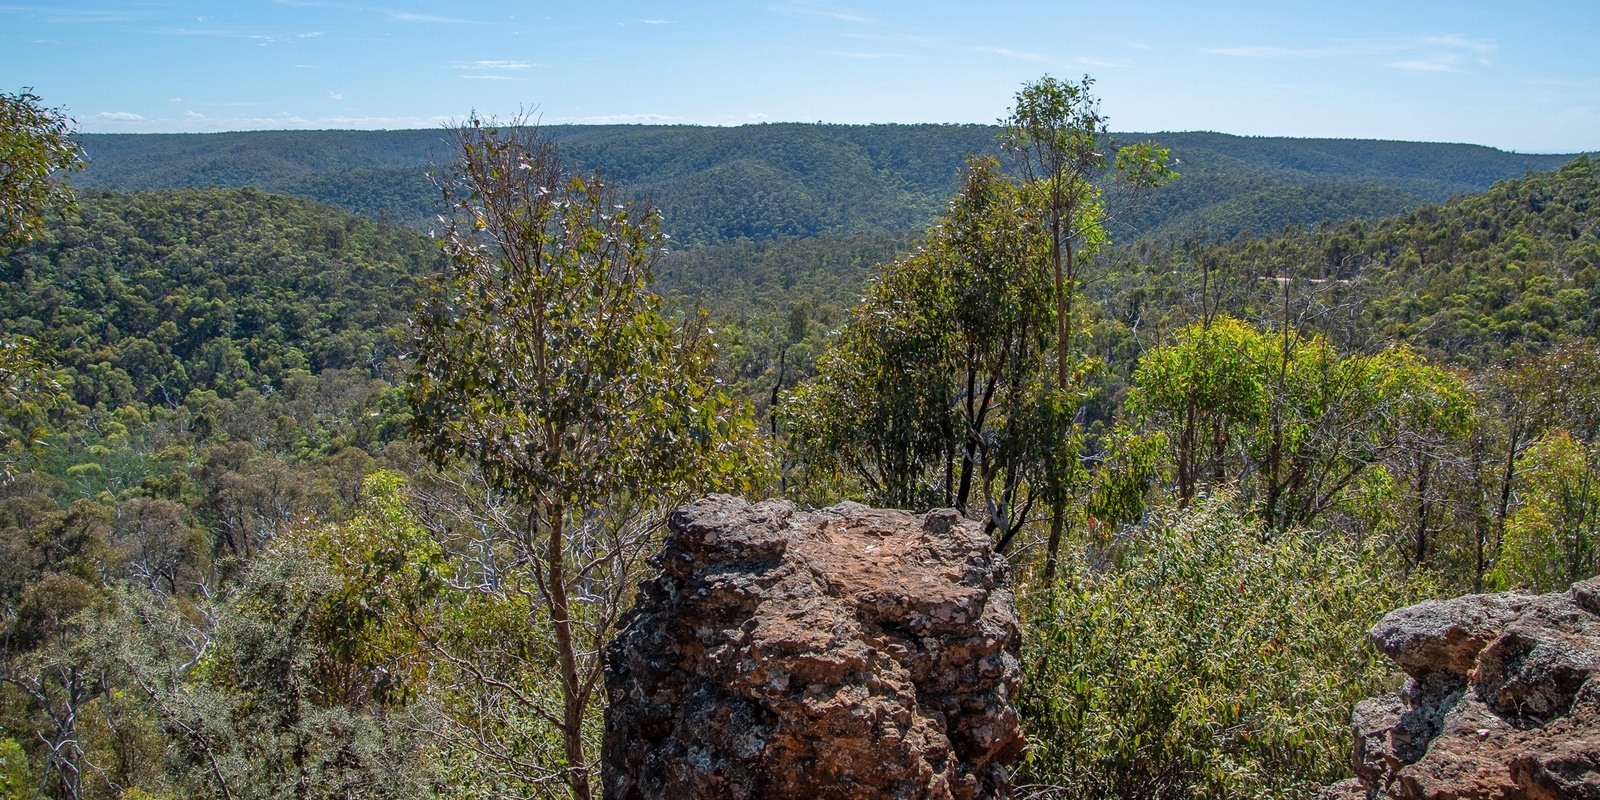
762,182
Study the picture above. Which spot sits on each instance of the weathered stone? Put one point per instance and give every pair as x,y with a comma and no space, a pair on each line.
1503,701
1444,636
847,652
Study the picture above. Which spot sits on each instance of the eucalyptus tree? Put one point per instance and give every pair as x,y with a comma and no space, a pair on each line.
543,362
36,147
933,394
1061,144
1293,423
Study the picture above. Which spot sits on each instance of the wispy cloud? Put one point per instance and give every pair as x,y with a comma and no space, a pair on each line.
225,34
75,16
398,15
1463,42
1440,53
842,16
656,21
119,116
1265,51
1021,55
407,16
849,54
195,121
625,119
308,35
492,64
332,95
1443,62
487,77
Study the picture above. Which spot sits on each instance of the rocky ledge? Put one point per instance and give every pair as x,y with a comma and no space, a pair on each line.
1502,701
841,653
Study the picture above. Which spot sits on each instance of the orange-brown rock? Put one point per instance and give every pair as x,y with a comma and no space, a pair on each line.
1503,701
841,653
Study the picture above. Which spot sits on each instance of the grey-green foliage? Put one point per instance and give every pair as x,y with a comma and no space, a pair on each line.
36,147
256,705
759,182
1196,656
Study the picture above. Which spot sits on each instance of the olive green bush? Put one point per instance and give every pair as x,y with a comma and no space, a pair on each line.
1200,655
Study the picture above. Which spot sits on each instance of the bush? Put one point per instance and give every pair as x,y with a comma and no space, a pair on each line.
1200,656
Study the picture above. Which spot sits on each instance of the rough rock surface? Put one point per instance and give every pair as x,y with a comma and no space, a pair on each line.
1502,702
842,653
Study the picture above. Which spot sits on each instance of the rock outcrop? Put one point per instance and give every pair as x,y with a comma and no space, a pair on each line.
1502,701
841,653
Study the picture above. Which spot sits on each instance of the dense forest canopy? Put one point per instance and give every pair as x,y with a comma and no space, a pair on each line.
287,485
774,180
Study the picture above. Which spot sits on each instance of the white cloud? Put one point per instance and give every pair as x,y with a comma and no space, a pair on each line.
846,54
656,21
1463,42
73,16
176,100
487,77
1264,51
1021,55
1442,62
407,16
194,115
492,64
1442,53
335,95
308,35
119,116
625,119
815,12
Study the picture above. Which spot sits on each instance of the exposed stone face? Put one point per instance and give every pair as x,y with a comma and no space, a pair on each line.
1503,701
842,653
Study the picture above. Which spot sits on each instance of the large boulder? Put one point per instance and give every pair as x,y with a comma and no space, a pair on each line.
841,653
1502,701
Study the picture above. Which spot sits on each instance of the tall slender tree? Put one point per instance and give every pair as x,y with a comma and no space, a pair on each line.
1061,144
543,362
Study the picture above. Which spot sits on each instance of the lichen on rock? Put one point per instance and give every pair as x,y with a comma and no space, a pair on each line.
1502,701
841,653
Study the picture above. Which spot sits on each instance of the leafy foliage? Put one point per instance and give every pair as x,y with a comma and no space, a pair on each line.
1192,656
543,363
36,148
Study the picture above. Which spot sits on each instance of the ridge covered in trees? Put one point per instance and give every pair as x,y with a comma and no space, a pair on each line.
769,181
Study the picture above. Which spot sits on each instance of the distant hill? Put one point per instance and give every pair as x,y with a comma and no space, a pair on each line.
145,297
762,182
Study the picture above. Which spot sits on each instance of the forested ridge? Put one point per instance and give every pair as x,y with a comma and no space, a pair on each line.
286,489
774,180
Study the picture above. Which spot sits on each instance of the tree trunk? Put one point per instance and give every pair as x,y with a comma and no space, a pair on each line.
1424,510
577,774
1057,522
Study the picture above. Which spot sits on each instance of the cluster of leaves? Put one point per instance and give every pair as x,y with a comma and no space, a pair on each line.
36,148
1198,656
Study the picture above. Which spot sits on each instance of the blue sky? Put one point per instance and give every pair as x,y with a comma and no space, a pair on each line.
1520,76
